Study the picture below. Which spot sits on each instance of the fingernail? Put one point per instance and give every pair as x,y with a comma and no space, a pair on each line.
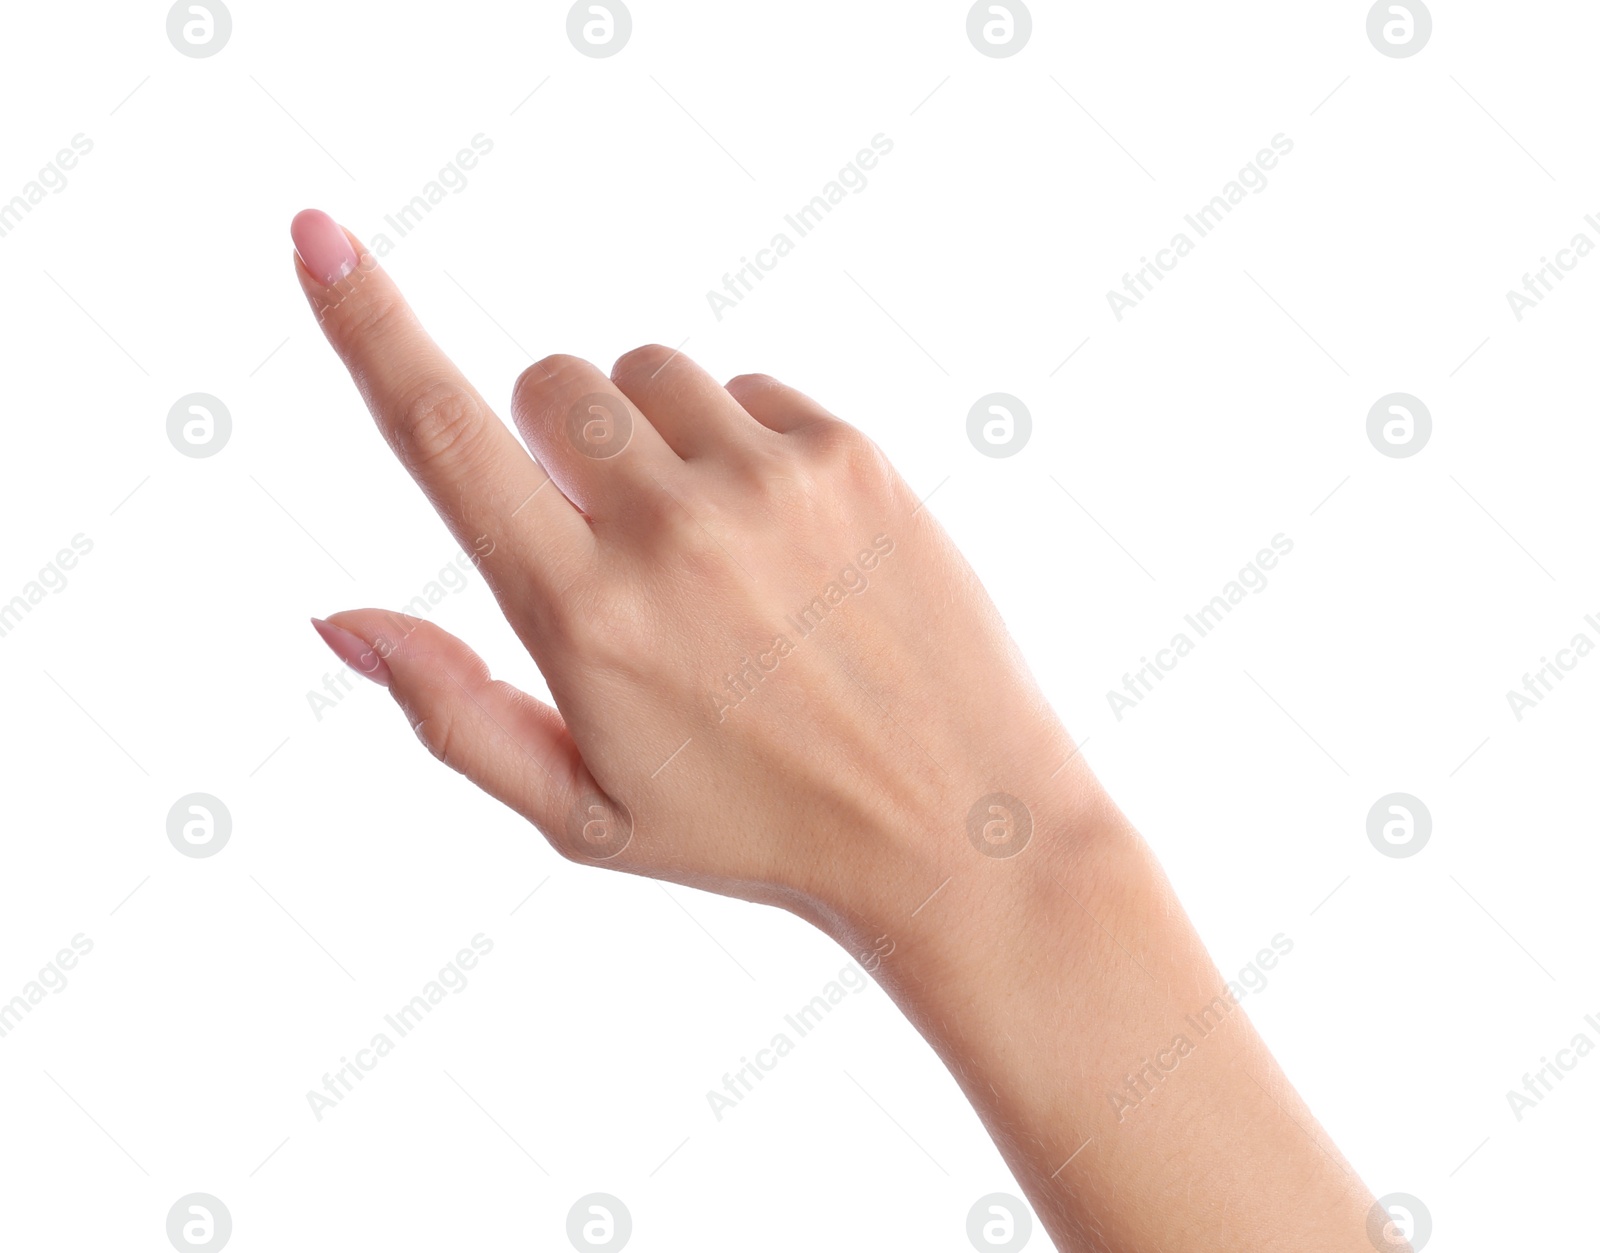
323,247
354,651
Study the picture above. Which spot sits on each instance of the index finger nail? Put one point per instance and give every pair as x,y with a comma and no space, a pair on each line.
322,245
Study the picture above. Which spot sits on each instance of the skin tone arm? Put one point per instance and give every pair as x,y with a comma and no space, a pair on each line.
775,678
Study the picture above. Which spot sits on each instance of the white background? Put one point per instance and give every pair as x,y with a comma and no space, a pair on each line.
1222,411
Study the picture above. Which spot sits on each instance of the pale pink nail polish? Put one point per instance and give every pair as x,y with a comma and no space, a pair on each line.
323,247
354,651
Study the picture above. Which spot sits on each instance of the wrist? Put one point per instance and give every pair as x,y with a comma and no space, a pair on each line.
998,884
1071,998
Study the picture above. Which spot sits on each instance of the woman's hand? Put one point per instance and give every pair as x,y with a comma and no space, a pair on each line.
774,675
775,678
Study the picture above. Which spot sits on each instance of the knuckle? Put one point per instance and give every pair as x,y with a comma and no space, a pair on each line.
839,451
646,360
437,424
438,735
830,442
565,846
749,384
551,376
835,461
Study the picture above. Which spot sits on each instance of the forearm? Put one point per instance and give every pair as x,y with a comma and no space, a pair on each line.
1073,1001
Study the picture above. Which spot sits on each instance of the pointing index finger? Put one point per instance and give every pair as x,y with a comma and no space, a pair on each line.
470,466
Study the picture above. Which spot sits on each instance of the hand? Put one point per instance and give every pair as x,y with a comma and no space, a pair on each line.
774,676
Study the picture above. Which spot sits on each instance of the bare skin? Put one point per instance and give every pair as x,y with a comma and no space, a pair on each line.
775,678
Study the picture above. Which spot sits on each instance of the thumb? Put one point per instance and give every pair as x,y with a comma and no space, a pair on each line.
513,746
